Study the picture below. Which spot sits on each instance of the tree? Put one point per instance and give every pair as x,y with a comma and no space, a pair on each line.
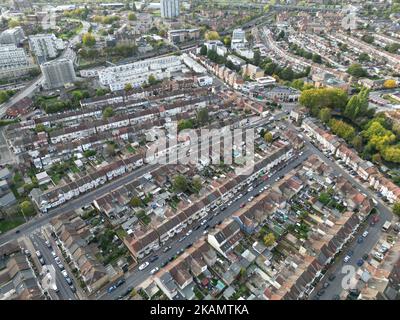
185,124
342,129
325,114
396,208
132,16
40,127
269,239
363,57
27,208
390,84
88,39
135,202
202,116
227,41
108,112
110,149
152,80
12,23
212,35
287,74
196,184
356,70
268,137
203,50
180,183
128,87
257,58
316,58
89,153
357,143
318,98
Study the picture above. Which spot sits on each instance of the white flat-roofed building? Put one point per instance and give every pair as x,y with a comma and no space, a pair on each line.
12,36
14,62
238,38
266,81
45,46
138,73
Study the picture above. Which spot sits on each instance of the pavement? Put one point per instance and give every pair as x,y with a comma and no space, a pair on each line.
135,277
64,292
335,287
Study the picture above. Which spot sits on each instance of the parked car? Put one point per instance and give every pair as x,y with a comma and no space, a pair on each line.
166,249
72,287
360,262
144,266
360,239
69,281
346,259
153,258
111,289
48,244
64,273
153,271
120,282
325,285
331,277
365,234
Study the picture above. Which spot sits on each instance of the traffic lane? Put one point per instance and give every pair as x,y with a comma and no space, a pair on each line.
65,291
359,249
137,276
83,200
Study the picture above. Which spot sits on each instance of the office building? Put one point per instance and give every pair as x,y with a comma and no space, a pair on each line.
58,73
238,38
169,9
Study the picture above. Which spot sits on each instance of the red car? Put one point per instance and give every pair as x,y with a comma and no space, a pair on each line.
243,204
375,219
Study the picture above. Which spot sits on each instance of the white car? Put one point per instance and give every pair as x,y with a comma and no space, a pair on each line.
143,266
203,222
189,232
153,271
65,273
250,199
57,259
365,234
53,254
378,256
346,259
205,232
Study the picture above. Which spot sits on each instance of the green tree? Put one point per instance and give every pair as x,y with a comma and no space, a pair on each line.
357,143
325,114
196,184
135,202
257,58
88,39
356,70
108,112
202,116
269,239
128,87
152,80
27,208
132,16
180,183
227,41
185,124
12,23
212,35
396,208
203,50
40,127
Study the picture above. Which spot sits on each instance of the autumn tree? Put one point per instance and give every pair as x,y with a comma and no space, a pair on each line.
88,39
325,114
268,137
390,84
396,208
27,208
135,202
269,239
212,35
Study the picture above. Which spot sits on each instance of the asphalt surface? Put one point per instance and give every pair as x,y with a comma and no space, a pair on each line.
65,292
335,287
135,277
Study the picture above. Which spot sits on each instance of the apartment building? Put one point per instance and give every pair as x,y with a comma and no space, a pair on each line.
12,36
170,9
238,39
57,73
138,73
45,46
14,62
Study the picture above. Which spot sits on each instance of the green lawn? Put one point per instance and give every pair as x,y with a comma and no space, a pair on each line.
6,225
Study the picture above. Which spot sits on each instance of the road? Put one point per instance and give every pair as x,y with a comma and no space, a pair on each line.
65,292
135,277
34,85
369,242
